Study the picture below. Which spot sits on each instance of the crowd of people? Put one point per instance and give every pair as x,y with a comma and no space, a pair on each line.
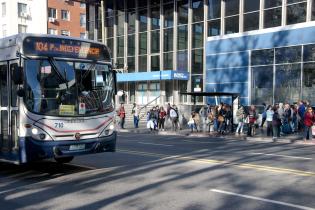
279,119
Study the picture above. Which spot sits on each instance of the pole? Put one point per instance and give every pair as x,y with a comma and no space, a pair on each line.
103,21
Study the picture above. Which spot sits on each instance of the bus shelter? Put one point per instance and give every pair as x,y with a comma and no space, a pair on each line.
235,98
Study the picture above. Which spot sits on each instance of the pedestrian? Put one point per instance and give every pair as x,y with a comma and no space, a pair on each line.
197,120
191,122
203,112
276,123
252,117
135,111
263,115
221,119
174,118
240,117
122,115
269,117
162,116
309,120
300,115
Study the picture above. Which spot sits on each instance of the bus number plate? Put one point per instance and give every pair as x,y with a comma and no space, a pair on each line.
77,147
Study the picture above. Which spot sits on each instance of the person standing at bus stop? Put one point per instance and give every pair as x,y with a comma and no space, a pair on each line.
122,116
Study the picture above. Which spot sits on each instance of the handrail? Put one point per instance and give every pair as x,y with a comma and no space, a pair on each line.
150,102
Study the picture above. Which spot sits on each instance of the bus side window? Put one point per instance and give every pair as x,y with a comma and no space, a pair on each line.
3,85
14,87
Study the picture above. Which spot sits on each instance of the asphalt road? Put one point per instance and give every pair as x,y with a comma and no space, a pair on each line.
168,172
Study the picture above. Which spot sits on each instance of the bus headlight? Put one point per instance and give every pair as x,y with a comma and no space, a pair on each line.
109,130
39,134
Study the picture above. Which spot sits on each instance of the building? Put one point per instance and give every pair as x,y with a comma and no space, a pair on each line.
22,16
262,49
66,17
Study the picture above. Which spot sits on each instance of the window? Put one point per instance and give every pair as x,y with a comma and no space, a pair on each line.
52,13
131,22
231,24
155,63
251,15
83,36
120,46
4,9
288,54
232,7
143,20
168,39
197,8
82,5
296,13
250,5
309,53
82,20
182,60
22,10
214,27
22,28
131,45
214,10
65,33
197,35
52,31
143,63
182,40
262,57
120,20
143,43
182,8
65,15
262,83
168,61
197,61
169,15
272,3
4,30
131,64
232,16
309,82
155,18
313,10
155,41
272,17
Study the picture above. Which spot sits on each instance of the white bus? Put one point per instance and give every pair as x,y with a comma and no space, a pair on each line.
56,98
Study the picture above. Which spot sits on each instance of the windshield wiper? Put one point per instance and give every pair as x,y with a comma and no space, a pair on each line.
52,62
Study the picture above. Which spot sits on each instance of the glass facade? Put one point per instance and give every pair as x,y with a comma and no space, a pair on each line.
155,35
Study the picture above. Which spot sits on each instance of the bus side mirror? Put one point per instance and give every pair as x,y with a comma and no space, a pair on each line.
20,92
17,75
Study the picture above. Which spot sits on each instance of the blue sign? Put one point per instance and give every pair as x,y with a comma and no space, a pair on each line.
151,76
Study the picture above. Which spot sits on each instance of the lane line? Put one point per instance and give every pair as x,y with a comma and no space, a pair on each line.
165,145
286,156
263,199
222,162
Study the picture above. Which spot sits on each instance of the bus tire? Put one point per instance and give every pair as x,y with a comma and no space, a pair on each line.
64,159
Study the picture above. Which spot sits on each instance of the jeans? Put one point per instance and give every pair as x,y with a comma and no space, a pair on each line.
276,130
161,123
136,121
122,122
215,124
269,128
240,127
308,132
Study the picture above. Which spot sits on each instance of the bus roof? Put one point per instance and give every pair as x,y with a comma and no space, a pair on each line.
16,43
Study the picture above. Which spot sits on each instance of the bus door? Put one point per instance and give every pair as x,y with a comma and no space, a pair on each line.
8,110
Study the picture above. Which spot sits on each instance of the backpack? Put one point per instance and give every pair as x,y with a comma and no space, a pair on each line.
173,113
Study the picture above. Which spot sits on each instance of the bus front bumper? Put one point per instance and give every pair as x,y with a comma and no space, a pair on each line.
38,150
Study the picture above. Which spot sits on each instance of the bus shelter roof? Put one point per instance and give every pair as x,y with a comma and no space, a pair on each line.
211,94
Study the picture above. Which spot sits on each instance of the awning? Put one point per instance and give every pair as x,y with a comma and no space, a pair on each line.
152,76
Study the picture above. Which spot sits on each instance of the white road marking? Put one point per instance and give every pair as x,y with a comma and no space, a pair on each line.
286,156
165,145
262,199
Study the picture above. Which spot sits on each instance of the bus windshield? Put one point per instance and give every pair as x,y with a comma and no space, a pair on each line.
63,88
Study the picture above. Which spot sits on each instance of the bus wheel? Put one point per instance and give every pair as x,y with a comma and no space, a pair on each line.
64,159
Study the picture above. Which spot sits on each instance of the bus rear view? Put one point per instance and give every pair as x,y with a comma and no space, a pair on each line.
62,98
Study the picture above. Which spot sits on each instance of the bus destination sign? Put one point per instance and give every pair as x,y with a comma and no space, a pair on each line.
66,48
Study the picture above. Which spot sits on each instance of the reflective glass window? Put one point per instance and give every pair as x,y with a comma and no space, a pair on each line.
288,83
131,22
309,53
309,82
197,35
120,63
182,37
197,61
288,54
294,1
143,43
251,5
131,45
120,22
197,82
182,61
251,21
296,13
197,8
110,45
3,85
214,27
262,85
168,15
214,9
168,61
120,46
143,63
168,39
155,18
313,10
155,41
155,63
182,8
272,3
262,57
131,64
231,25
272,18
143,20
109,21
232,7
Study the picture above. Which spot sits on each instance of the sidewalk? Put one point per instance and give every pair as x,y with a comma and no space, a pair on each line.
260,135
